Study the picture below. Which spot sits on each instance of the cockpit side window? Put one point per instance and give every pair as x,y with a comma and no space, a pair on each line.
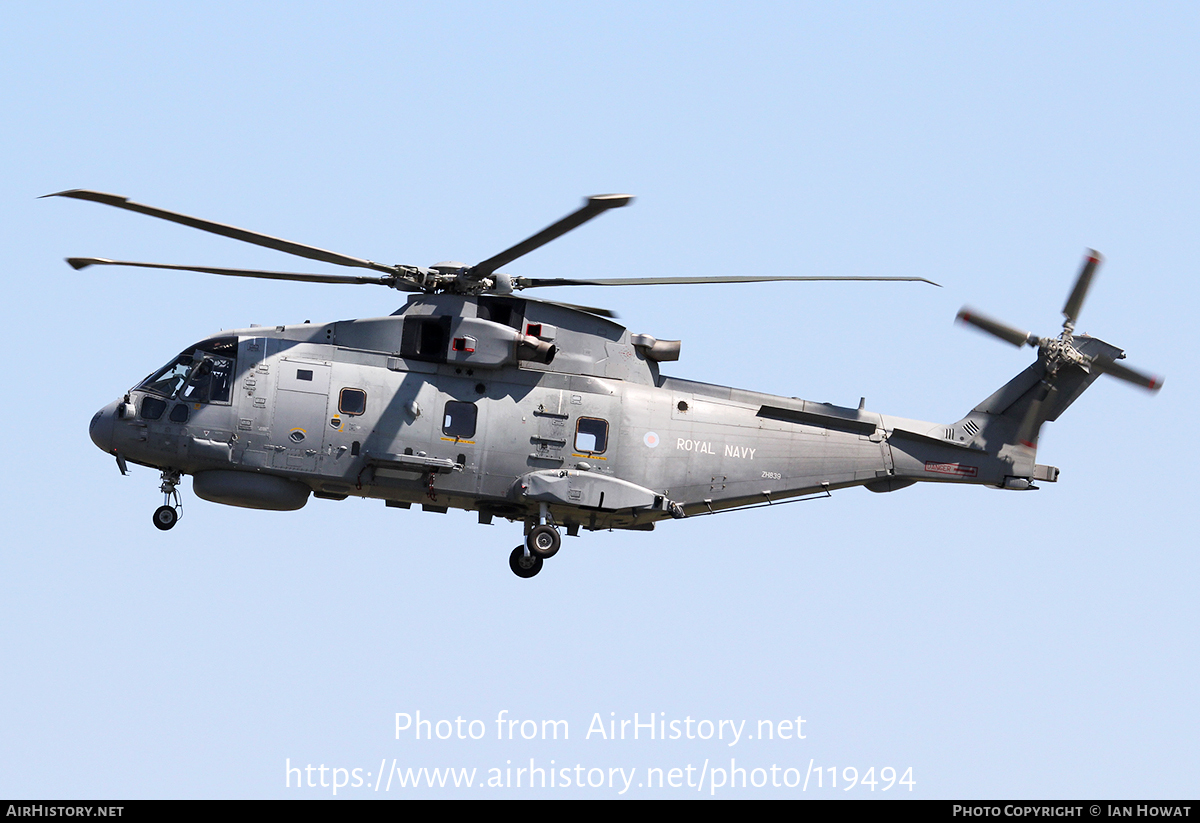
210,381
222,380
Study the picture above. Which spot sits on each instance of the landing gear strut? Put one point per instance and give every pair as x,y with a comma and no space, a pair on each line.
167,515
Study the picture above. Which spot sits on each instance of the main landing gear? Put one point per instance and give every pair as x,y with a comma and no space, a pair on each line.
523,563
544,541
541,542
167,515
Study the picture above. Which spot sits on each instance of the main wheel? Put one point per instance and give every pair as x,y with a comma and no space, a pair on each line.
524,565
165,517
544,541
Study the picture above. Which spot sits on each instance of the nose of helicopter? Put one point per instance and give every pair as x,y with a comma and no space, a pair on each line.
102,426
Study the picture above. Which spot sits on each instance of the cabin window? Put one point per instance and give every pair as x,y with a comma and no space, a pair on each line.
591,435
179,414
352,402
459,420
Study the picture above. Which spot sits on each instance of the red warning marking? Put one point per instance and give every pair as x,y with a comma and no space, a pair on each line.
956,469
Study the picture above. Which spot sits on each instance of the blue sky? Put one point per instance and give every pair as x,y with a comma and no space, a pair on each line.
999,644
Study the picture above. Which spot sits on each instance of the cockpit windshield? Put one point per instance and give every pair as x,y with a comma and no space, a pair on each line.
167,380
204,373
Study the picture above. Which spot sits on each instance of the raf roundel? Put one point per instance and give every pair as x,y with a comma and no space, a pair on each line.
651,439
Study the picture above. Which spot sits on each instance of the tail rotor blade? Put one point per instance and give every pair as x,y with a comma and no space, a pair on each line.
1007,333
1082,283
1146,381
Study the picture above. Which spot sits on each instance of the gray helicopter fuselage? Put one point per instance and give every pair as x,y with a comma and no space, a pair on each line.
471,397
510,407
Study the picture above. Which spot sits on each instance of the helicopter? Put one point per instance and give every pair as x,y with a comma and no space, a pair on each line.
473,396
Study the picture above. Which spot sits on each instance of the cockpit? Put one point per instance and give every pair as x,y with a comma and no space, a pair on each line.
202,373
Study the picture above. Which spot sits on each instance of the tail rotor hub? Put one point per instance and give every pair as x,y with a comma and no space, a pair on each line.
1060,351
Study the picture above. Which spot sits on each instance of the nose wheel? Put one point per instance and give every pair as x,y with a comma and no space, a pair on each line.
167,515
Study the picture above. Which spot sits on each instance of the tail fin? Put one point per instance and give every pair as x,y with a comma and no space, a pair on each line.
1007,423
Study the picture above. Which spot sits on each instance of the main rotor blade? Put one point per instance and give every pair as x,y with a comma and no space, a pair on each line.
392,281
609,313
1075,300
539,282
246,236
1007,333
592,207
1147,381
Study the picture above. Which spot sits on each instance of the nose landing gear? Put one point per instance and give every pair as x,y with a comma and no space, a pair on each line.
167,515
